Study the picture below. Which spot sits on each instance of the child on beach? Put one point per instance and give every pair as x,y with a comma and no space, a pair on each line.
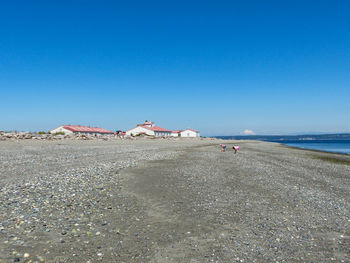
235,148
223,146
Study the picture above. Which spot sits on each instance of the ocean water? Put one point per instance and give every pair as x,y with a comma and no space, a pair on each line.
305,142
337,146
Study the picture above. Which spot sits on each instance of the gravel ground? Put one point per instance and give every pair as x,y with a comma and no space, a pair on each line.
172,201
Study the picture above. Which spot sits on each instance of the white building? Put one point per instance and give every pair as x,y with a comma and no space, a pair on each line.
69,129
148,128
189,133
175,133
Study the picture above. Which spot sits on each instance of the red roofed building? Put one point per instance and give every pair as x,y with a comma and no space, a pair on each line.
148,123
189,133
148,128
69,129
175,133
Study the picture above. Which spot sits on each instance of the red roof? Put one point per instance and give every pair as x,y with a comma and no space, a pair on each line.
78,128
155,128
176,131
147,123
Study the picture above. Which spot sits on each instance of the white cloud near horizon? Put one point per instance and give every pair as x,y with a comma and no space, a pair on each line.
248,132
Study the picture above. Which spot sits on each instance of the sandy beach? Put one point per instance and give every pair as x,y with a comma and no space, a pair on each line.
172,201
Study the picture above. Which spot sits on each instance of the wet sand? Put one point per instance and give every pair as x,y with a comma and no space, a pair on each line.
172,201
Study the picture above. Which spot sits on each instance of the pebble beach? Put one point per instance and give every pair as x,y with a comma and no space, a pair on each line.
172,200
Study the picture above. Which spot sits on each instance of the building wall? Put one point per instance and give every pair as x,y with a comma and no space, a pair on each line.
61,129
189,133
162,134
137,130
175,134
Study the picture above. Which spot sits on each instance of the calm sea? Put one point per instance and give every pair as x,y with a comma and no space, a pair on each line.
336,146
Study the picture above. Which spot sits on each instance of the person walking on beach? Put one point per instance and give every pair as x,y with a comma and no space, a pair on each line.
223,146
235,148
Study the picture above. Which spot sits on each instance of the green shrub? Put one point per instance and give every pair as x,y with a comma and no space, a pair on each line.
59,133
42,132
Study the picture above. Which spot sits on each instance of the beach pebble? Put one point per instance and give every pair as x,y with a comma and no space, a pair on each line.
177,201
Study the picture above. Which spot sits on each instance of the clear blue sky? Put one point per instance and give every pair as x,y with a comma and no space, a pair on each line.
218,66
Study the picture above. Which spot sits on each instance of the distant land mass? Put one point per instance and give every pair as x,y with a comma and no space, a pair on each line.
281,138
